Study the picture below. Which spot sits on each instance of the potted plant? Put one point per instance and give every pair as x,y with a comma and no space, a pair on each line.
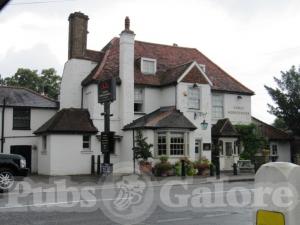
189,167
163,168
143,153
202,165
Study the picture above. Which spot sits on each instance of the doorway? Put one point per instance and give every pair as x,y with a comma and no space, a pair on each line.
198,149
228,158
23,150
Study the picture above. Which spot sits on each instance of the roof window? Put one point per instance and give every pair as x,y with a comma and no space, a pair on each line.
148,66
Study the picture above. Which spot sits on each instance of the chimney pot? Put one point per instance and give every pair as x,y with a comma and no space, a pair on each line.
127,23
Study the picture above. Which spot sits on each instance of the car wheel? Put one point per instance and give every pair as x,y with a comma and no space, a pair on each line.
7,180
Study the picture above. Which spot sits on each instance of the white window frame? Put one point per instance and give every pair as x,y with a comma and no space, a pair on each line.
168,134
272,146
202,66
192,98
142,101
213,105
86,142
143,59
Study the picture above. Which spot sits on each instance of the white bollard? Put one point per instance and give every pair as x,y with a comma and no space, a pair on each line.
277,188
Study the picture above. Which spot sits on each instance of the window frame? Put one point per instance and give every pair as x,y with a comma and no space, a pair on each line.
86,149
44,144
168,135
191,88
15,110
272,150
214,106
143,60
142,101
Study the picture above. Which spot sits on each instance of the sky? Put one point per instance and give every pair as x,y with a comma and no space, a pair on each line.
252,40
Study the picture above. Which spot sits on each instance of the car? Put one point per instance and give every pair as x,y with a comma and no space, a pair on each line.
12,168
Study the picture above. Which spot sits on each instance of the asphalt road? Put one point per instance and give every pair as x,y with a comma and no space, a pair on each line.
173,205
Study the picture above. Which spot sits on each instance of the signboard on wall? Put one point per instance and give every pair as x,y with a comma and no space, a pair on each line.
107,90
206,146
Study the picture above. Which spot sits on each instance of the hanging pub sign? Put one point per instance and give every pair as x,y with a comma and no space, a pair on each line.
107,142
107,90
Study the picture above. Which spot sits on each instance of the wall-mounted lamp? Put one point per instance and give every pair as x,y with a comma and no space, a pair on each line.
204,125
239,97
195,85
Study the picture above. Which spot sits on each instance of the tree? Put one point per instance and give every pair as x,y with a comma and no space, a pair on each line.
143,148
280,124
48,82
251,140
287,99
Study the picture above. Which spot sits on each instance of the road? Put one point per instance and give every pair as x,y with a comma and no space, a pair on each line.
30,211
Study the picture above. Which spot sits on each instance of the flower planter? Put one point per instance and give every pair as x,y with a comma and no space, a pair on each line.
145,167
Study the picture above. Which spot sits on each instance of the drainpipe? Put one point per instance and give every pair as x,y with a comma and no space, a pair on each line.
81,98
2,128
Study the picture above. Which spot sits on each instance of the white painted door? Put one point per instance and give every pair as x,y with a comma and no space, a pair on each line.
198,149
228,157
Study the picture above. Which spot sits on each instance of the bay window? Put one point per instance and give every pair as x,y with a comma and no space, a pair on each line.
171,143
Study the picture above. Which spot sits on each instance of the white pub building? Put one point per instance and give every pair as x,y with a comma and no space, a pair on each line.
179,98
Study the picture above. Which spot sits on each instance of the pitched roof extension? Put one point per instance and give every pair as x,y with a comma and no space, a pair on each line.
164,117
270,132
23,97
69,121
224,128
171,61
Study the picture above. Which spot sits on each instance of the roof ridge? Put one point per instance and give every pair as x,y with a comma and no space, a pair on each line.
166,45
231,77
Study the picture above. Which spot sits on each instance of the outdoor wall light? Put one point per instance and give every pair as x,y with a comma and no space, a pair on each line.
204,125
239,97
195,85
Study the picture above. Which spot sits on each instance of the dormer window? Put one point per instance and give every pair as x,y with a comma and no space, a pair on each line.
148,66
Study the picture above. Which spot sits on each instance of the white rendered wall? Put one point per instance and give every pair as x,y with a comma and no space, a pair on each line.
205,107
168,96
25,137
75,70
284,150
67,156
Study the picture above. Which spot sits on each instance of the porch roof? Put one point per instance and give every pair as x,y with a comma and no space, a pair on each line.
164,117
69,121
224,128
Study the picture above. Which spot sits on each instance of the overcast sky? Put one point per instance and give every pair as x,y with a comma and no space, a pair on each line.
253,40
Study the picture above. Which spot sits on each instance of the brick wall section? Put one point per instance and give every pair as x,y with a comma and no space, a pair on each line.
78,23
195,76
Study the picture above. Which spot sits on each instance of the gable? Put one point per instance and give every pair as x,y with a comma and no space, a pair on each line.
195,76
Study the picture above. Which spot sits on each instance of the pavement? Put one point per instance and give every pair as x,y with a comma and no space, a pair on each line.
36,182
129,199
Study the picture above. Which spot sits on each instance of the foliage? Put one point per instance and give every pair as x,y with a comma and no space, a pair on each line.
280,124
251,140
190,170
287,98
143,148
48,82
201,165
163,168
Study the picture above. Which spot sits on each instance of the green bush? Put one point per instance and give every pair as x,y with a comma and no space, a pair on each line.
163,168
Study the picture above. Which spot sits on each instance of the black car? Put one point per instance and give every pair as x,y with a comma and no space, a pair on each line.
12,167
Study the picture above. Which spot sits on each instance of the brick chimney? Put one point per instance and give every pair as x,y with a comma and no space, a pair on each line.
78,23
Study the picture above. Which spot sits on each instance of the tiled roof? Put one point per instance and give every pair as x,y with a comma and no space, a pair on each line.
270,132
69,121
170,62
224,128
19,96
164,117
